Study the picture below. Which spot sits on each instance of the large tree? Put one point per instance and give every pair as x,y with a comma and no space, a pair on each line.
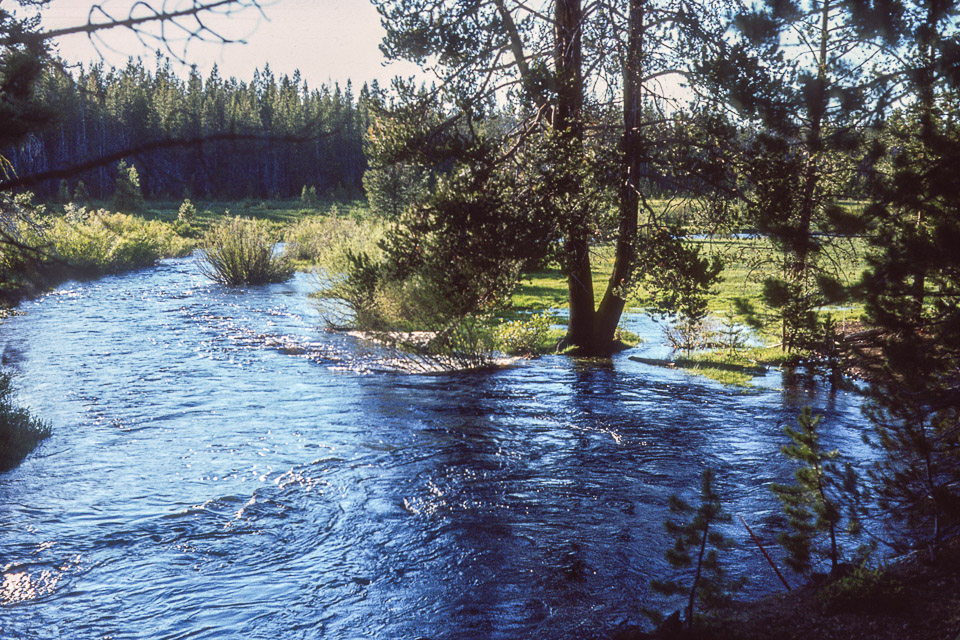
795,75
912,288
562,68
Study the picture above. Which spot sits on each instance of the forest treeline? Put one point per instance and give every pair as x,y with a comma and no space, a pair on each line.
265,138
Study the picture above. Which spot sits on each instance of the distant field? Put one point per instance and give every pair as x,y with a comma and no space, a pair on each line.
281,212
747,262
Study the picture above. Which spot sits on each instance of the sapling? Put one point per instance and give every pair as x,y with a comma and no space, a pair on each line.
816,504
698,544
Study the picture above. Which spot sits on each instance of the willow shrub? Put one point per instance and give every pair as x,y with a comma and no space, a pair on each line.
240,251
19,431
327,242
103,242
525,336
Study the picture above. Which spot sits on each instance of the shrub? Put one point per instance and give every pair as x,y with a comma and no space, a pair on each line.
823,498
104,242
697,546
863,590
240,251
524,336
19,431
63,193
328,241
80,194
127,195
308,195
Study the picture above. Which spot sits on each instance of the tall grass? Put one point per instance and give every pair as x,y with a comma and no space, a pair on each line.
240,251
19,431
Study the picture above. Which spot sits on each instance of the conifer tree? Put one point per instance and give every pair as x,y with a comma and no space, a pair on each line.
814,503
80,195
698,544
63,192
127,196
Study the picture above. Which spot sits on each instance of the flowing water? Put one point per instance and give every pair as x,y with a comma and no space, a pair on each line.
222,467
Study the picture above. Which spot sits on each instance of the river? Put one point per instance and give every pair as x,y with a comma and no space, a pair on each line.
222,467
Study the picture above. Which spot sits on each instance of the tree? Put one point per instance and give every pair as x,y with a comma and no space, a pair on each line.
815,502
543,62
392,188
698,544
127,196
794,74
912,288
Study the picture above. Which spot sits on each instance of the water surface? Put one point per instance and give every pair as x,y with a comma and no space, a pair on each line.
221,466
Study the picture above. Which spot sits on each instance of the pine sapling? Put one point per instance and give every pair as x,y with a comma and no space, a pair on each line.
698,545
816,503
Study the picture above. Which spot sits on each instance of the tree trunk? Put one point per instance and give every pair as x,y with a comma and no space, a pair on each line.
632,152
568,127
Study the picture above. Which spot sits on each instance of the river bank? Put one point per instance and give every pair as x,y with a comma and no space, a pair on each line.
912,599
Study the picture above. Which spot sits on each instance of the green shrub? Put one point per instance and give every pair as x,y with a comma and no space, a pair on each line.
80,194
308,196
863,590
328,241
19,431
103,242
525,336
240,251
63,193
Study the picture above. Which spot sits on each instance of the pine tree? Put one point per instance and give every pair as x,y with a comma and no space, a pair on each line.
127,196
697,536
80,195
63,192
814,503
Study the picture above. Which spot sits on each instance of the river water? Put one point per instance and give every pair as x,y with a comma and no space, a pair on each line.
221,467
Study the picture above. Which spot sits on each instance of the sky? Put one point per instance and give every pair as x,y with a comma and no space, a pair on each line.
327,40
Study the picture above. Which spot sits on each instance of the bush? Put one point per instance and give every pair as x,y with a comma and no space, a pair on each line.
327,242
103,242
863,590
80,194
524,336
308,196
63,193
19,431
240,251
187,212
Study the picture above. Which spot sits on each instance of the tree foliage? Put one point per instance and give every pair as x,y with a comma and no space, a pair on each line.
821,502
542,62
697,545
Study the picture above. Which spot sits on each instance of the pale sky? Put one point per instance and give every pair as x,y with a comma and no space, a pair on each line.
327,40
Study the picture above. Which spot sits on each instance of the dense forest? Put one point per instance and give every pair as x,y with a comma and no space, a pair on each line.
265,138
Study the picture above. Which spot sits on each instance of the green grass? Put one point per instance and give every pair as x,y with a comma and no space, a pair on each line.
747,262
20,432
737,368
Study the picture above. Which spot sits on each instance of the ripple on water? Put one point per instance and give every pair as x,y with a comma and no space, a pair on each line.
221,466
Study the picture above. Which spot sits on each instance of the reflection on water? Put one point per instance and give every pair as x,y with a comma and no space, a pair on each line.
222,467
